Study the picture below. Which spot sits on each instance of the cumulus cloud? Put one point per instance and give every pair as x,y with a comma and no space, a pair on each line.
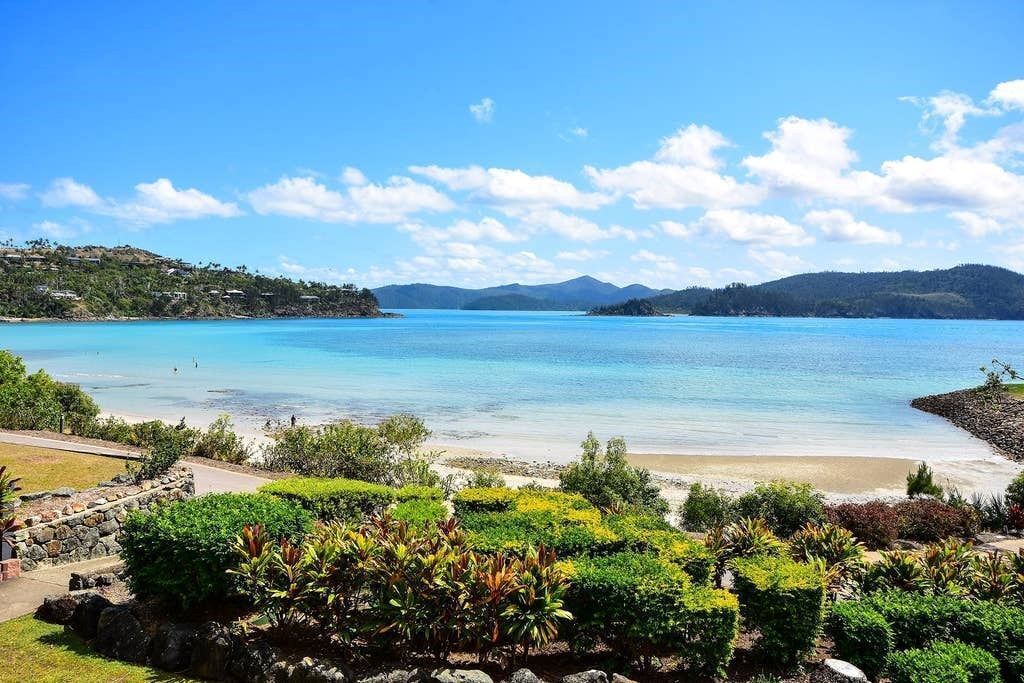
483,111
155,202
753,228
486,228
948,110
581,255
14,191
505,187
777,263
839,225
305,197
659,261
353,176
677,229
693,146
1009,94
61,231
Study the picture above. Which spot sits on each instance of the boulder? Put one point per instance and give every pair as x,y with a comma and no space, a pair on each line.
396,676
619,678
592,676
459,676
311,671
524,676
87,615
837,671
171,649
212,650
63,492
119,635
59,609
254,662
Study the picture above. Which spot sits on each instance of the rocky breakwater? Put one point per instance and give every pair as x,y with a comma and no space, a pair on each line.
65,526
992,415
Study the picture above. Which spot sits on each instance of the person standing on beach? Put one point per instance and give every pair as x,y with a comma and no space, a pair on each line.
293,420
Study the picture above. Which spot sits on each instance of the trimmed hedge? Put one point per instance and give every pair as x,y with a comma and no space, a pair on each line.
417,492
642,607
861,635
647,533
181,552
484,500
419,512
917,620
943,663
784,600
333,499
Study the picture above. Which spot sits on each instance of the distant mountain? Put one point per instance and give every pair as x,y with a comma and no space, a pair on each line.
967,291
580,293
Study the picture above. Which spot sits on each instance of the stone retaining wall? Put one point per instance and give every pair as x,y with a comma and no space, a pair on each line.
89,530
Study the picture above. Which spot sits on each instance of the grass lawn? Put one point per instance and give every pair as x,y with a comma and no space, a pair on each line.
43,469
1015,390
33,650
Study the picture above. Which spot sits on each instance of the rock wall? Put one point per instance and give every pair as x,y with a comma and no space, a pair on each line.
90,527
992,416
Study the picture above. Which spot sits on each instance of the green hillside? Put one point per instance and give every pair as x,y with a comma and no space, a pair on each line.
44,280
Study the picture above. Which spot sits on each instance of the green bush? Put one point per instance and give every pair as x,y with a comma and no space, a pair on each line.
418,492
643,607
484,479
420,512
785,506
921,483
784,600
650,534
606,479
1015,491
181,552
861,636
484,500
943,663
220,442
706,508
333,499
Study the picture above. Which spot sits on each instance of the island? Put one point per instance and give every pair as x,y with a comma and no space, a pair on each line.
641,308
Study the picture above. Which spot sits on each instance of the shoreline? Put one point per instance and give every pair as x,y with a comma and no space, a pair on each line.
11,320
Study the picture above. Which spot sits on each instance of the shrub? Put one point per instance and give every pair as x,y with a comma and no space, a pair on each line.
484,500
420,512
166,447
220,442
840,554
1015,491
417,492
875,524
785,506
932,520
484,479
705,508
784,600
606,479
37,401
649,534
921,483
861,636
643,607
745,538
331,499
181,552
943,663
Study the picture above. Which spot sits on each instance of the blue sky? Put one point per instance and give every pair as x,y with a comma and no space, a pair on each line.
481,143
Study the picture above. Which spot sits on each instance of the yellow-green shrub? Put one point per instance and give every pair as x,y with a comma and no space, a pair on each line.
331,499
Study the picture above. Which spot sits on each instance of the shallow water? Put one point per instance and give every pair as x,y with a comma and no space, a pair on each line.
533,384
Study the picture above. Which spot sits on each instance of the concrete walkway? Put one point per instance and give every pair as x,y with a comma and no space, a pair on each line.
23,595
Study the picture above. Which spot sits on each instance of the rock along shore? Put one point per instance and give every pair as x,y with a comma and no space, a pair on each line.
991,415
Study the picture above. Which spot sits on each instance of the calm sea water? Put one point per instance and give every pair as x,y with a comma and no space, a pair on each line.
533,384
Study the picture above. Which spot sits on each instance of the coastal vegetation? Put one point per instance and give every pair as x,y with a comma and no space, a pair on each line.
47,280
633,307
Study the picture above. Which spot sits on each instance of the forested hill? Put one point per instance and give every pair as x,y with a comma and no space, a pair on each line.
966,291
44,280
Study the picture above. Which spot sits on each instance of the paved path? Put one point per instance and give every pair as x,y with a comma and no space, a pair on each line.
22,595
60,445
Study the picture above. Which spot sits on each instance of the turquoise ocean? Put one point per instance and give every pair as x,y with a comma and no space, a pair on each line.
533,383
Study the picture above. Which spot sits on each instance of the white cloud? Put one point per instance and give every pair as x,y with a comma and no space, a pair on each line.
353,176
1009,94
777,263
657,185
55,230
676,229
839,225
581,255
977,226
505,187
659,261
580,132
155,202
304,197
486,228
483,111
753,228
14,191
950,110
692,146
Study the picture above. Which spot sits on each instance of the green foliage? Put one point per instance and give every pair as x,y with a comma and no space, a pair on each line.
220,442
411,589
129,282
840,555
650,534
643,607
37,401
166,447
1015,491
484,500
8,489
382,454
921,482
420,512
606,479
785,506
181,552
77,407
943,663
706,508
861,635
484,479
417,492
785,601
745,538
333,499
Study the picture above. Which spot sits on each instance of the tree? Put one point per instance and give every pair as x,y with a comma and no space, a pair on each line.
606,479
921,483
